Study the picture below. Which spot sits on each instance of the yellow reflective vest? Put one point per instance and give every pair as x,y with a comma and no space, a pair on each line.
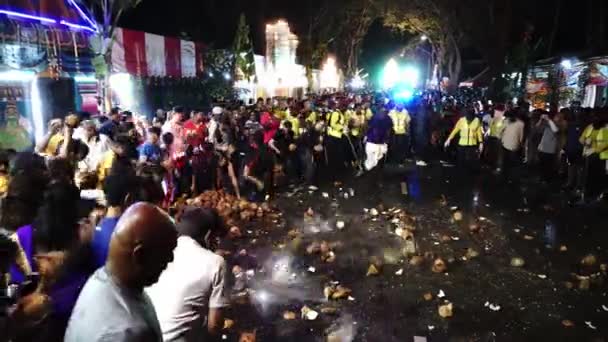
357,121
589,134
496,127
368,113
295,124
470,133
336,124
401,121
312,117
601,143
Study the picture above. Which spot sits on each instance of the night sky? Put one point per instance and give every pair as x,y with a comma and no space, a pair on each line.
214,22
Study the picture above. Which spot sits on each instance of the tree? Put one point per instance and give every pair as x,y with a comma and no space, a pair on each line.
314,44
357,17
107,13
243,48
435,20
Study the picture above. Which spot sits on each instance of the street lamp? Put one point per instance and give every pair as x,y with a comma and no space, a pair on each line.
424,37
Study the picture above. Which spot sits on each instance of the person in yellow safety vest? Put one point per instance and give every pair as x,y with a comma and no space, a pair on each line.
309,114
367,110
356,121
282,111
595,141
335,140
470,141
295,122
493,152
399,148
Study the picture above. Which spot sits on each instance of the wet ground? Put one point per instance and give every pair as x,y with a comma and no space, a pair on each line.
553,297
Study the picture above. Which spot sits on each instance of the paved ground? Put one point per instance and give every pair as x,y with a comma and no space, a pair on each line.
492,300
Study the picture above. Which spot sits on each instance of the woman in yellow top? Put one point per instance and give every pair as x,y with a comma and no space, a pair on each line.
470,142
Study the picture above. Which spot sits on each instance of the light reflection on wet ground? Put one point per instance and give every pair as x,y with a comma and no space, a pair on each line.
524,221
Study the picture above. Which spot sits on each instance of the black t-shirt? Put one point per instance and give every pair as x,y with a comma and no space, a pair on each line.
283,139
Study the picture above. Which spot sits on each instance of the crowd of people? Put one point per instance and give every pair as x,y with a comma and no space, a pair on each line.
98,256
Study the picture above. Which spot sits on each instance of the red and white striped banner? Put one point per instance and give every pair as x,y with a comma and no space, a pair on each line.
145,54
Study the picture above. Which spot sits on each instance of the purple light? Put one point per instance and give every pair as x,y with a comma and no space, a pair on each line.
93,25
27,16
76,26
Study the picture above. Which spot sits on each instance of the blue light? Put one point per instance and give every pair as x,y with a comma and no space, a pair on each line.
403,94
82,14
76,26
27,16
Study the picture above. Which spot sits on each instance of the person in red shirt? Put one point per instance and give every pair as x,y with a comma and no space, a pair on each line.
270,123
195,129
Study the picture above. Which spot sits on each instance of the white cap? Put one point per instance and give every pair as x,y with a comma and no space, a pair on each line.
217,110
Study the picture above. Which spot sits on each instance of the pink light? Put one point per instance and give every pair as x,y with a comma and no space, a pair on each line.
27,16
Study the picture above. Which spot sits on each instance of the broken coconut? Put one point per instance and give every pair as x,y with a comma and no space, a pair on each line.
445,311
329,310
517,262
471,253
416,260
228,323
329,257
289,315
309,314
457,216
474,227
372,270
584,283
427,296
445,238
341,292
567,323
439,266
589,260
328,291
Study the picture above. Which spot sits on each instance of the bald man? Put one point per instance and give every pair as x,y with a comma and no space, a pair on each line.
112,305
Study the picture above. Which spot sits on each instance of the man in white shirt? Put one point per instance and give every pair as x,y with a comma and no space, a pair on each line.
214,124
512,139
191,293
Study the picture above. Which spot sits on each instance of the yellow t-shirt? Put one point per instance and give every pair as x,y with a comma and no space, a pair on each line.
3,184
54,142
105,166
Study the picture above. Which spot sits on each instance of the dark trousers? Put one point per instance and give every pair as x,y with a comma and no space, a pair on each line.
335,155
547,164
399,148
596,176
492,152
468,158
510,161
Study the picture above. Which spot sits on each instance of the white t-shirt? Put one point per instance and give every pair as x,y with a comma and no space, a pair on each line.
105,312
192,284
